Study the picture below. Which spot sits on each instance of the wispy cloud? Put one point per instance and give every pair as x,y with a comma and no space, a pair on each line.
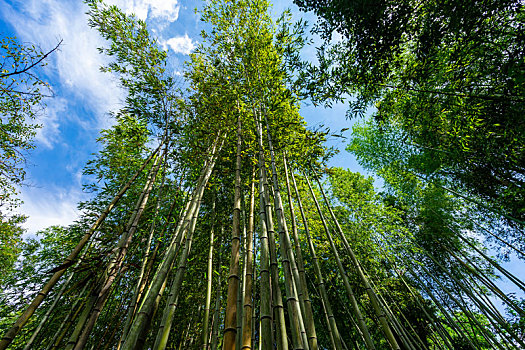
84,96
47,136
50,206
180,44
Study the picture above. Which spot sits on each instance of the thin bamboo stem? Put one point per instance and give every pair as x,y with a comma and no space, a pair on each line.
246,342
171,304
288,260
320,280
360,271
209,279
142,319
360,319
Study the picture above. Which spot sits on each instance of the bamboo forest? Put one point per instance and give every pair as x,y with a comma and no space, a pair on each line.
215,218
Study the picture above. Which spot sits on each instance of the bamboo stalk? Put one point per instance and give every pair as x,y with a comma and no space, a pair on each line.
148,303
215,320
137,293
320,280
209,279
171,303
268,253
29,343
246,342
68,320
463,308
117,256
437,325
296,324
304,297
230,319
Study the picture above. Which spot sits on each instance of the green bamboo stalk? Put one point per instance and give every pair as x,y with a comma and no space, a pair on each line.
410,341
68,320
255,320
320,280
209,279
447,340
215,320
454,325
480,304
246,341
143,317
240,291
268,252
137,293
171,303
51,308
117,256
296,324
463,308
304,297
369,290
230,319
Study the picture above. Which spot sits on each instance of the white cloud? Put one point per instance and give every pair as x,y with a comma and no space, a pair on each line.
180,44
144,9
75,77
49,119
47,207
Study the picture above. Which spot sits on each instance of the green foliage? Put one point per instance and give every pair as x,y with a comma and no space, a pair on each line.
138,61
413,175
21,99
37,256
10,242
243,70
123,151
449,75
473,331
517,322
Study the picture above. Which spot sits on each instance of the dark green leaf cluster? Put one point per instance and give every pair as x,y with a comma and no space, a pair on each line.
449,75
